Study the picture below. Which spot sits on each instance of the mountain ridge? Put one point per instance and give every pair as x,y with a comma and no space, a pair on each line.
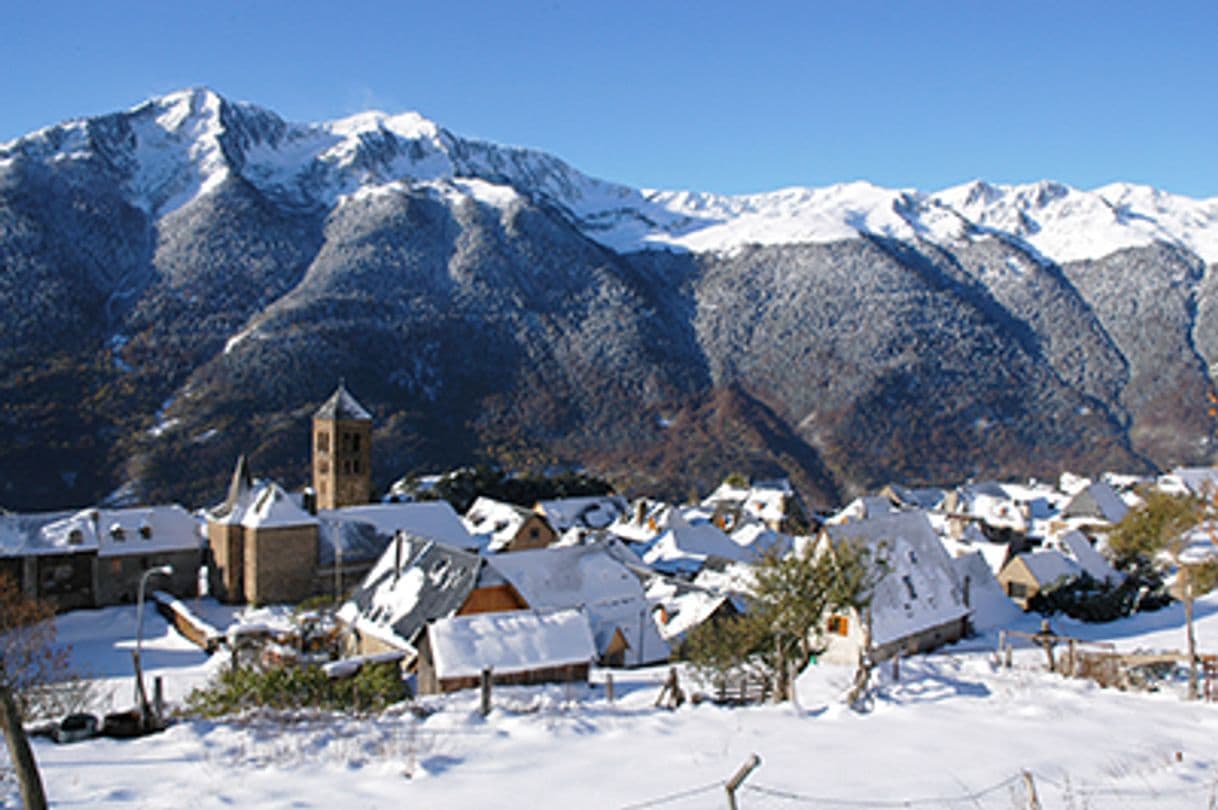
186,279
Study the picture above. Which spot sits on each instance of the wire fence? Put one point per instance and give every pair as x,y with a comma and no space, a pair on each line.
1021,791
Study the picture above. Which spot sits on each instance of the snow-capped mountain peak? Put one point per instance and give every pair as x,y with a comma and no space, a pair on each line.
175,148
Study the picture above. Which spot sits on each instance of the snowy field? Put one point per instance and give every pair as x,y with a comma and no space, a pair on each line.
955,731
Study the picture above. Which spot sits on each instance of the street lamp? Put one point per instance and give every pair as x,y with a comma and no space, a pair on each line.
141,696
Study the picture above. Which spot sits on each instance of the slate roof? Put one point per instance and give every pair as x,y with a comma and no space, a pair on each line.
341,405
406,589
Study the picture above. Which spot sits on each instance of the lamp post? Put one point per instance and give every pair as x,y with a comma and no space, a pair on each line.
141,696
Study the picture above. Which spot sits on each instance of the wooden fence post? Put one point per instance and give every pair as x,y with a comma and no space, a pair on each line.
737,780
1030,787
609,684
158,700
486,691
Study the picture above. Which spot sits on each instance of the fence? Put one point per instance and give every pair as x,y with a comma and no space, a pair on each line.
1020,791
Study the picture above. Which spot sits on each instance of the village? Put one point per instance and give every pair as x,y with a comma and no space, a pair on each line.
627,580
573,590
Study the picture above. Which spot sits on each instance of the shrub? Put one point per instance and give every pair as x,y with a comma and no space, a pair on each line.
1091,600
373,688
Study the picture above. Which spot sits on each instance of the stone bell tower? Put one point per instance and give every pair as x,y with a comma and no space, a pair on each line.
342,452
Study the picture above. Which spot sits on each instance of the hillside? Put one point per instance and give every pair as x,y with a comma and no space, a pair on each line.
187,280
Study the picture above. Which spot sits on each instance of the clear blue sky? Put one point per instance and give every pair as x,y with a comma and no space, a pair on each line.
717,96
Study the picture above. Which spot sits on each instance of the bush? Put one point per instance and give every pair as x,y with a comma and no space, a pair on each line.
724,652
373,688
1091,600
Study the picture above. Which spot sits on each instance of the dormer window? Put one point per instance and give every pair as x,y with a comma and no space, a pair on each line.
145,531
117,534
76,537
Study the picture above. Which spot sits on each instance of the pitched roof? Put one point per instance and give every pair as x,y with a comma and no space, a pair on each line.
274,508
514,641
1049,566
341,405
596,577
590,512
434,520
689,545
1098,500
921,589
498,521
109,532
409,586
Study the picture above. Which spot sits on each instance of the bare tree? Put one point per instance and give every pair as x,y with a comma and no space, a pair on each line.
32,795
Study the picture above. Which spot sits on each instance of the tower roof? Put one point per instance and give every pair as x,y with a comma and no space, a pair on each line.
341,405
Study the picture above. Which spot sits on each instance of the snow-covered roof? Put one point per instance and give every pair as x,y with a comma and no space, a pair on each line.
1076,545
920,590
654,521
766,500
21,534
410,586
435,520
917,498
863,508
1199,481
759,539
973,541
595,577
498,521
685,606
341,405
274,508
355,540
686,546
515,641
591,512
119,532
1098,500
990,606
1049,566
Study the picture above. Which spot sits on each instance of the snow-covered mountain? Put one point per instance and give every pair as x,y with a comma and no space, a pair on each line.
170,150
183,280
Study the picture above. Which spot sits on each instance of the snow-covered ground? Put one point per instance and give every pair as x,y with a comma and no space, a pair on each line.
955,731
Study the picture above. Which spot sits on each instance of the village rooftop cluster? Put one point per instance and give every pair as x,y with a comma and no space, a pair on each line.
544,593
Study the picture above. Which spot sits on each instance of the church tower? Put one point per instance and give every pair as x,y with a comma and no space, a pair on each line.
342,452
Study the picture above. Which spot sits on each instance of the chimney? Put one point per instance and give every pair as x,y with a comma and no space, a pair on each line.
309,500
397,555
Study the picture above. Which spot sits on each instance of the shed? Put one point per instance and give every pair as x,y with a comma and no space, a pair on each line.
518,647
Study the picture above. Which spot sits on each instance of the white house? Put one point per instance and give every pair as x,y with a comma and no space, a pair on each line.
917,605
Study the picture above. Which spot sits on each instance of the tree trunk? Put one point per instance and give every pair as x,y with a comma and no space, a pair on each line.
32,795
1192,641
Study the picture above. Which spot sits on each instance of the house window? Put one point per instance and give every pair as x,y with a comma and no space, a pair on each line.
323,442
1017,590
146,531
839,625
323,467
75,537
355,443
355,466
117,533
